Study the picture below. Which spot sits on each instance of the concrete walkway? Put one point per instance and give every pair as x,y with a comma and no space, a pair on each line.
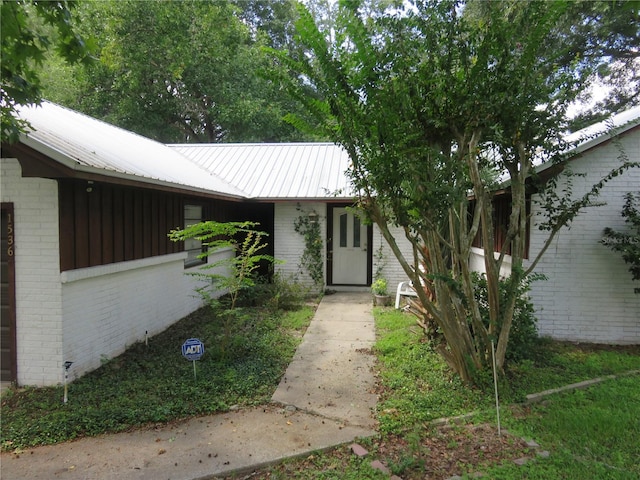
324,399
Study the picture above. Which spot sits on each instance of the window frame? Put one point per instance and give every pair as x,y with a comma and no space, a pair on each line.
191,218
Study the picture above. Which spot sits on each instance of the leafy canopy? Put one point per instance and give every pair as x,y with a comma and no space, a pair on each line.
429,98
29,30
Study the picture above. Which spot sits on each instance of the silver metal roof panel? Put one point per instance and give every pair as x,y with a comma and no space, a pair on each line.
276,171
86,144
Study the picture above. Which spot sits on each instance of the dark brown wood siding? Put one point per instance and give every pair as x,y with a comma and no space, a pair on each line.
8,350
102,223
501,214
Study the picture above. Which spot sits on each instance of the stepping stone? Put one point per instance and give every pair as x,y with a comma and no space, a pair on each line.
358,450
378,465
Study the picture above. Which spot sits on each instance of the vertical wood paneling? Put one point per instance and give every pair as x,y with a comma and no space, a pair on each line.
81,227
138,241
115,223
118,225
147,232
153,219
127,224
94,212
107,217
163,220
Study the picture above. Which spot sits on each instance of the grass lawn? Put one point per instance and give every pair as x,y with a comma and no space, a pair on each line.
154,383
592,433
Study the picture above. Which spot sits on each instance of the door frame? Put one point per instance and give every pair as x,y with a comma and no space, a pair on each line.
7,208
330,208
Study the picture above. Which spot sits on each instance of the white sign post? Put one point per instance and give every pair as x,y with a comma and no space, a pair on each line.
193,349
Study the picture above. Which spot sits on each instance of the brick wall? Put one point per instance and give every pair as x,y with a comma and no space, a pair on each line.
383,255
83,315
589,292
289,245
108,308
38,290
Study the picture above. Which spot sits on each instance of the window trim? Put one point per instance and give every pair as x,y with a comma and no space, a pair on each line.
188,220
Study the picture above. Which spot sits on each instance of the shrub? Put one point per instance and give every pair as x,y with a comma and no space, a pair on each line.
523,337
627,243
280,292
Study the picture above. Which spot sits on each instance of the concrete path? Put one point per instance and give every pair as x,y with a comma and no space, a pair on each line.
324,399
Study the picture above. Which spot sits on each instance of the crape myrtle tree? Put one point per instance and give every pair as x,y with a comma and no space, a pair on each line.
428,100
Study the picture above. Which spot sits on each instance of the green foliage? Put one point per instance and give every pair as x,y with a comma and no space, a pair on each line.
154,383
380,261
379,287
428,100
278,293
590,433
246,244
311,259
417,386
182,71
29,30
627,243
523,338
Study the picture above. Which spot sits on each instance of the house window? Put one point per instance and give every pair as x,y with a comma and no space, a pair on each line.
193,247
343,230
356,231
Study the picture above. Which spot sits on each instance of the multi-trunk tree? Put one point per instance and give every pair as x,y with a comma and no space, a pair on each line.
430,102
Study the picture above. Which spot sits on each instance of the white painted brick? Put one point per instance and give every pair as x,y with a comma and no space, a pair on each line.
289,245
38,298
589,295
103,313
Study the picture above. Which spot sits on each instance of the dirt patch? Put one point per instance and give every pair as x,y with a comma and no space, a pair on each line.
438,453
452,450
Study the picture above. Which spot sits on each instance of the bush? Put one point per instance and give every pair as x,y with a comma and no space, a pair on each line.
523,337
279,293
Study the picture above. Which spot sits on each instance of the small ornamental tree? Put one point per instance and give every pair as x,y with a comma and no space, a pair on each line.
428,98
246,244
627,243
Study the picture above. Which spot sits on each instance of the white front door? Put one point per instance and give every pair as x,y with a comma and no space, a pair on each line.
350,248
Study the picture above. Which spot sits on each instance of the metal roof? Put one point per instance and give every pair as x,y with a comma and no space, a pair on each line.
597,133
276,171
85,144
288,171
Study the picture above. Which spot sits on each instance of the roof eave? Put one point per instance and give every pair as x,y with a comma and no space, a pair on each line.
72,164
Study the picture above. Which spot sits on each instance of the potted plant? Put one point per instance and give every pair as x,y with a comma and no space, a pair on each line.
380,293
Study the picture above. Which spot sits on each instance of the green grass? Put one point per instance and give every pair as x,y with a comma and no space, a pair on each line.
154,383
593,433
418,386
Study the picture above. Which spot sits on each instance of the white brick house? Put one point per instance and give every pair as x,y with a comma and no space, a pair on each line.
86,208
87,268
